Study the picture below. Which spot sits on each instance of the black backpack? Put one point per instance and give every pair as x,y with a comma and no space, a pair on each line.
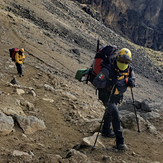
104,55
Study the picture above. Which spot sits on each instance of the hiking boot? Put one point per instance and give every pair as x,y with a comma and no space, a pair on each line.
110,135
122,146
20,75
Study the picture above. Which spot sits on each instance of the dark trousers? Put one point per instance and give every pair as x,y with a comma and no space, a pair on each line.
19,68
112,115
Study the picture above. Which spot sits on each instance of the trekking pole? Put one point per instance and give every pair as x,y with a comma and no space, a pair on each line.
103,117
135,110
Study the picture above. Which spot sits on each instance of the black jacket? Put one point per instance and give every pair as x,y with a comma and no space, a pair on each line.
110,75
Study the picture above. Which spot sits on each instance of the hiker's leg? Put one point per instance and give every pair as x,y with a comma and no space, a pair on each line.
21,71
17,66
117,125
106,130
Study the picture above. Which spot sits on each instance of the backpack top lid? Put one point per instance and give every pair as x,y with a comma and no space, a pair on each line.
109,51
104,56
15,49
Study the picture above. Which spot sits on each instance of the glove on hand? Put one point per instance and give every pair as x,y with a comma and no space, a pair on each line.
111,82
130,83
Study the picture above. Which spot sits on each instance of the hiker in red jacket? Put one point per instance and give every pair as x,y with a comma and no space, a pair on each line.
19,59
115,78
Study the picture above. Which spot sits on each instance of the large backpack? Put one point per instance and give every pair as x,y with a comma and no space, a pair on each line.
104,55
12,52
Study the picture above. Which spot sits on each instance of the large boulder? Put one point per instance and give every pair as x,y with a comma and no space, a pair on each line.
6,124
30,124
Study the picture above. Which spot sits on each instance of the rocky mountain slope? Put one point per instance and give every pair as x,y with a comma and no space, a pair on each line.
47,112
139,21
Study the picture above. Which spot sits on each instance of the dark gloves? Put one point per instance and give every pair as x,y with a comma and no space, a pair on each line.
111,82
130,83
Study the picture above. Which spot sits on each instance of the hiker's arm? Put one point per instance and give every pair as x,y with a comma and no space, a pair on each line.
100,80
17,59
131,79
23,57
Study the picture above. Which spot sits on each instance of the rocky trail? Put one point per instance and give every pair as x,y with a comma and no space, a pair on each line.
50,117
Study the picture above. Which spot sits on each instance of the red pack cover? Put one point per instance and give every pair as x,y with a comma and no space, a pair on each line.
13,52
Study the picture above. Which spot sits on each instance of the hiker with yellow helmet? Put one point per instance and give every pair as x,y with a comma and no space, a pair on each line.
19,59
113,80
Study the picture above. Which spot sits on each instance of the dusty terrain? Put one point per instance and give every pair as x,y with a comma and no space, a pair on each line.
55,48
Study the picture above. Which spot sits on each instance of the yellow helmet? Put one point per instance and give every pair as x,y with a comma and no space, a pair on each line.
124,56
22,50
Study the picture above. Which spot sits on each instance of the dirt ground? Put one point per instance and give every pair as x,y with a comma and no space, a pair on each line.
47,63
